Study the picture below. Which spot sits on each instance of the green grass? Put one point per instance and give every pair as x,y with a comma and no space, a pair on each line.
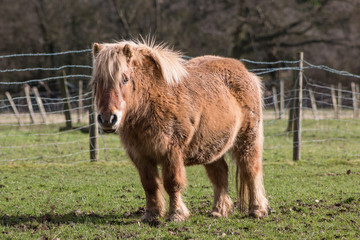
45,195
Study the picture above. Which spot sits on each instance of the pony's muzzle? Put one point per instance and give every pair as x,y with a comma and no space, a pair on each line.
108,122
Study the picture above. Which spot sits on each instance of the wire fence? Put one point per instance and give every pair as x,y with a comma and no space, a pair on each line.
42,124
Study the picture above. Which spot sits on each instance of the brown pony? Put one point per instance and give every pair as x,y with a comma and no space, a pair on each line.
175,113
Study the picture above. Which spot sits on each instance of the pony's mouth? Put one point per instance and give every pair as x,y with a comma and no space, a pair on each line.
108,130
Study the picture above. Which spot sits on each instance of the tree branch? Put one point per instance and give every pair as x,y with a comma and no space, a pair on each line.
122,18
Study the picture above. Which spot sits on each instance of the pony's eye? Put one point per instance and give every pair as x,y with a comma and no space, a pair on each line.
125,80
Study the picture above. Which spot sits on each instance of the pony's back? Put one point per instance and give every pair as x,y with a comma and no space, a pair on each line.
243,85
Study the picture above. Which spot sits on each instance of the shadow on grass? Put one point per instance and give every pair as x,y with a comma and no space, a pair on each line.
70,218
27,221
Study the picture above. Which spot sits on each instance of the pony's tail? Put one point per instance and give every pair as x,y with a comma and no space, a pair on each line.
242,188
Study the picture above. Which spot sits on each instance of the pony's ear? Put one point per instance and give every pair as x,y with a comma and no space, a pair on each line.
127,52
96,48
170,64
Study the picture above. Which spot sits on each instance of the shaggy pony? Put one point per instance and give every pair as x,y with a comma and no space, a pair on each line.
176,113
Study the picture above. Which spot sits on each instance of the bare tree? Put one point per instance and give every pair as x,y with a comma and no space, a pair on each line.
327,30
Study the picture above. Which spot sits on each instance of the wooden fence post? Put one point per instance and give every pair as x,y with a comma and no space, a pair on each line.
333,99
339,100
290,126
40,104
313,103
354,98
275,100
80,105
298,112
93,133
282,97
14,108
28,99
48,90
357,90
67,105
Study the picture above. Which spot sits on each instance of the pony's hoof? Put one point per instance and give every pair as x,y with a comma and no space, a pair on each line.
258,213
219,214
151,219
216,214
179,215
223,207
176,218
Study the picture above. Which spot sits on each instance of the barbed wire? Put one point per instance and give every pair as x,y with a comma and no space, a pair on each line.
328,88
262,71
45,54
44,144
328,69
54,102
40,123
269,63
45,69
259,71
49,134
46,79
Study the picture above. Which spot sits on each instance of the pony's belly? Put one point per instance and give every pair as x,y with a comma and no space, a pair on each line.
215,136
207,154
204,151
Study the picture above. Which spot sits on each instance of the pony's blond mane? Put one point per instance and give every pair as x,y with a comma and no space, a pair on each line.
111,60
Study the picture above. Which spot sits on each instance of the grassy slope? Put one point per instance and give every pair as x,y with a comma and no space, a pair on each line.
51,198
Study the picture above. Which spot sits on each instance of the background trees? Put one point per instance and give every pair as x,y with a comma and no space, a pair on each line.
328,31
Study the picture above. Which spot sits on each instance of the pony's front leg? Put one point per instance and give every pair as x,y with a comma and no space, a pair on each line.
155,203
174,180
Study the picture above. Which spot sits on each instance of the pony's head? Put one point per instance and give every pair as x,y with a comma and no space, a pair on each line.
123,71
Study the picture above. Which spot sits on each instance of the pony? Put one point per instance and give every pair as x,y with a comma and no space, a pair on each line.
173,113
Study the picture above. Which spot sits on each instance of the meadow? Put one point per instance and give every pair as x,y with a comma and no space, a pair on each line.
50,190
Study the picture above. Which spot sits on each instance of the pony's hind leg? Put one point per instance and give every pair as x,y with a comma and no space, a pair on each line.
155,203
218,174
248,155
174,180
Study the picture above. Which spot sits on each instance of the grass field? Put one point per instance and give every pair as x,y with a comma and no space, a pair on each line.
49,189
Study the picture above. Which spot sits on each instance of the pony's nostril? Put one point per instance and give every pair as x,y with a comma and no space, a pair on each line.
113,119
100,119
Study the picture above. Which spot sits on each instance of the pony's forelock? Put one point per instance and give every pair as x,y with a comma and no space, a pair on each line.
107,64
